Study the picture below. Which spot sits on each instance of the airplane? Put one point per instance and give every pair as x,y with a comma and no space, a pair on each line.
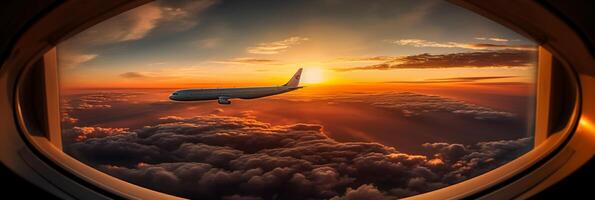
222,95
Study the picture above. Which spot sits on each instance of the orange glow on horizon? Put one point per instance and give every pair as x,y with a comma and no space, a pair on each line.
171,77
313,75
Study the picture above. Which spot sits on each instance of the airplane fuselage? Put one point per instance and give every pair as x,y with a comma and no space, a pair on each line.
222,95
229,93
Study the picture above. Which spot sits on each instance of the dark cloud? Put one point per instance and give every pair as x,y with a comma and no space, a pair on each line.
217,157
495,39
65,112
456,79
83,133
498,58
133,75
472,160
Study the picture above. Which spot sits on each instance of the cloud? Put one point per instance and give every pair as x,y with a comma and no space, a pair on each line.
469,79
370,59
131,25
411,104
363,192
88,106
133,75
80,134
456,79
66,118
474,46
70,60
467,159
219,157
248,61
101,100
156,75
498,58
65,113
238,197
495,39
144,19
276,46
137,23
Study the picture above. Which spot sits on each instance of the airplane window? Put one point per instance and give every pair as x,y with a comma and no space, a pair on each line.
297,99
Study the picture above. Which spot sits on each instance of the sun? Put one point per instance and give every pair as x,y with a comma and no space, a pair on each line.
313,75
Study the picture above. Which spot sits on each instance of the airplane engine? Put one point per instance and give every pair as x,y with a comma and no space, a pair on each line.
224,101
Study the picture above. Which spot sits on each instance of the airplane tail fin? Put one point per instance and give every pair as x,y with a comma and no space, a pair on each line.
295,80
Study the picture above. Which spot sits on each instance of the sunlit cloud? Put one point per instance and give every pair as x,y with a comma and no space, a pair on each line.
129,26
276,46
101,100
66,118
474,46
499,58
495,39
144,20
86,132
369,59
469,79
70,59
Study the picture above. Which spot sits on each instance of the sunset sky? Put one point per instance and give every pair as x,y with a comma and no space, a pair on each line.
401,98
211,43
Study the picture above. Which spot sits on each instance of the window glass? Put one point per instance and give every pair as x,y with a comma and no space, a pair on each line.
205,99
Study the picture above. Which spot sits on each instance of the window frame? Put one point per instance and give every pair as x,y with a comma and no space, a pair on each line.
540,161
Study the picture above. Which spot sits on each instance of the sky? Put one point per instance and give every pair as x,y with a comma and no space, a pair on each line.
401,98
210,43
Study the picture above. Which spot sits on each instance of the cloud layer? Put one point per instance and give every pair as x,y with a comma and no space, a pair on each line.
217,157
496,58
100,100
414,104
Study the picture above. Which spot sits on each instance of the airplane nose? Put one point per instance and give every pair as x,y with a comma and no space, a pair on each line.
172,97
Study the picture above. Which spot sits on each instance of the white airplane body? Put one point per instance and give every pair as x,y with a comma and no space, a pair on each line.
222,95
